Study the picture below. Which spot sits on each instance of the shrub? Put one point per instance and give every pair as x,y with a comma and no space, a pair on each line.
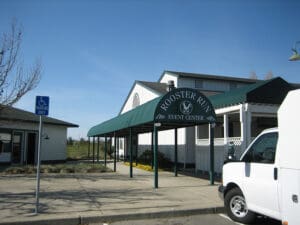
58,168
146,158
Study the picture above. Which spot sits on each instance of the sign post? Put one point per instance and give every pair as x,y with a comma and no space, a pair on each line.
41,109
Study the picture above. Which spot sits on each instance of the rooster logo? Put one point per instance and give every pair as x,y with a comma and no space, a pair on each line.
186,107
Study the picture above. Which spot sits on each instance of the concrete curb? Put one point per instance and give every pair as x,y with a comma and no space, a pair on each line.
82,220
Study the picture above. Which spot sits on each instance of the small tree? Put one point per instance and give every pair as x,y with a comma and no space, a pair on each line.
82,140
253,75
70,141
269,75
15,81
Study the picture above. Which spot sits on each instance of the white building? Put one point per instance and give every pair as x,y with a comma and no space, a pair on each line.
19,137
243,107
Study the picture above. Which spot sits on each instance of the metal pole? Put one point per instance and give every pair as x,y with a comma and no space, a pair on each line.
212,154
110,144
175,153
155,157
152,150
105,150
38,168
130,149
89,147
98,145
93,150
136,149
118,149
115,155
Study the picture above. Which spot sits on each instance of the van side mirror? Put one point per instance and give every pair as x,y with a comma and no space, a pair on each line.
231,152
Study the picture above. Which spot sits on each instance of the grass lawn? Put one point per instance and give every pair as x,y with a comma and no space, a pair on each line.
80,150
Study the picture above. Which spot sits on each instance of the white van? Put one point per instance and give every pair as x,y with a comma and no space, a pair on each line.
266,179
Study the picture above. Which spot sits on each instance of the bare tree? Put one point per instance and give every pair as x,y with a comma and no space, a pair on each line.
269,75
253,75
15,81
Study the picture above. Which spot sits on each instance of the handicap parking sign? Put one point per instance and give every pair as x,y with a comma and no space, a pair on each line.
42,105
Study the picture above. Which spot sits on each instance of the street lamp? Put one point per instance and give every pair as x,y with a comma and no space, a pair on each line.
295,56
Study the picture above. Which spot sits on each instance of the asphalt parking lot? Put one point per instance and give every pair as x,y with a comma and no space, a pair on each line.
206,219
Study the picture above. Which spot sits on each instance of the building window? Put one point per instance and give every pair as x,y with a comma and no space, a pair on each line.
5,142
199,84
17,147
136,100
202,132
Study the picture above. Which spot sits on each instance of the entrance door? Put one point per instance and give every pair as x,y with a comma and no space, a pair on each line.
17,147
31,147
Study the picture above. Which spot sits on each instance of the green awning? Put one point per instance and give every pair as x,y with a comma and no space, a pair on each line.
142,114
271,91
181,107
184,107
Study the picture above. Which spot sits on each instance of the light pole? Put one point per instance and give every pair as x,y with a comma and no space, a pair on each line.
295,56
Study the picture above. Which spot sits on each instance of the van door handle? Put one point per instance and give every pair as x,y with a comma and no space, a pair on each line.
275,173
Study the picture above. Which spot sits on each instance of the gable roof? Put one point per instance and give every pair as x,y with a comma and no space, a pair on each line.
158,88
207,77
268,91
14,114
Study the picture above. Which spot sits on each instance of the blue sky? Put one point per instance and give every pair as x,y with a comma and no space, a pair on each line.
93,51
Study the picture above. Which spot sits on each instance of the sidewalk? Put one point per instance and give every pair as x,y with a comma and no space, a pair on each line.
74,198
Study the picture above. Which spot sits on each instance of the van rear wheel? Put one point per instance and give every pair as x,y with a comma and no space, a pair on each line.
236,207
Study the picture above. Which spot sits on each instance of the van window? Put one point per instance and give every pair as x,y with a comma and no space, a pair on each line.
263,149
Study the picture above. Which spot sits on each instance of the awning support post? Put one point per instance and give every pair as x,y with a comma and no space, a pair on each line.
98,145
130,149
115,153
155,156
105,150
136,149
176,153
152,150
93,150
89,147
212,154
110,144
117,147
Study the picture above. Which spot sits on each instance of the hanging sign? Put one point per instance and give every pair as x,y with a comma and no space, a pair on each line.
185,105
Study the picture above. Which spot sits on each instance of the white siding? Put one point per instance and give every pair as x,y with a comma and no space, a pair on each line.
144,94
203,159
19,125
186,152
55,147
216,85
211,85
166,77
164,137
186,83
